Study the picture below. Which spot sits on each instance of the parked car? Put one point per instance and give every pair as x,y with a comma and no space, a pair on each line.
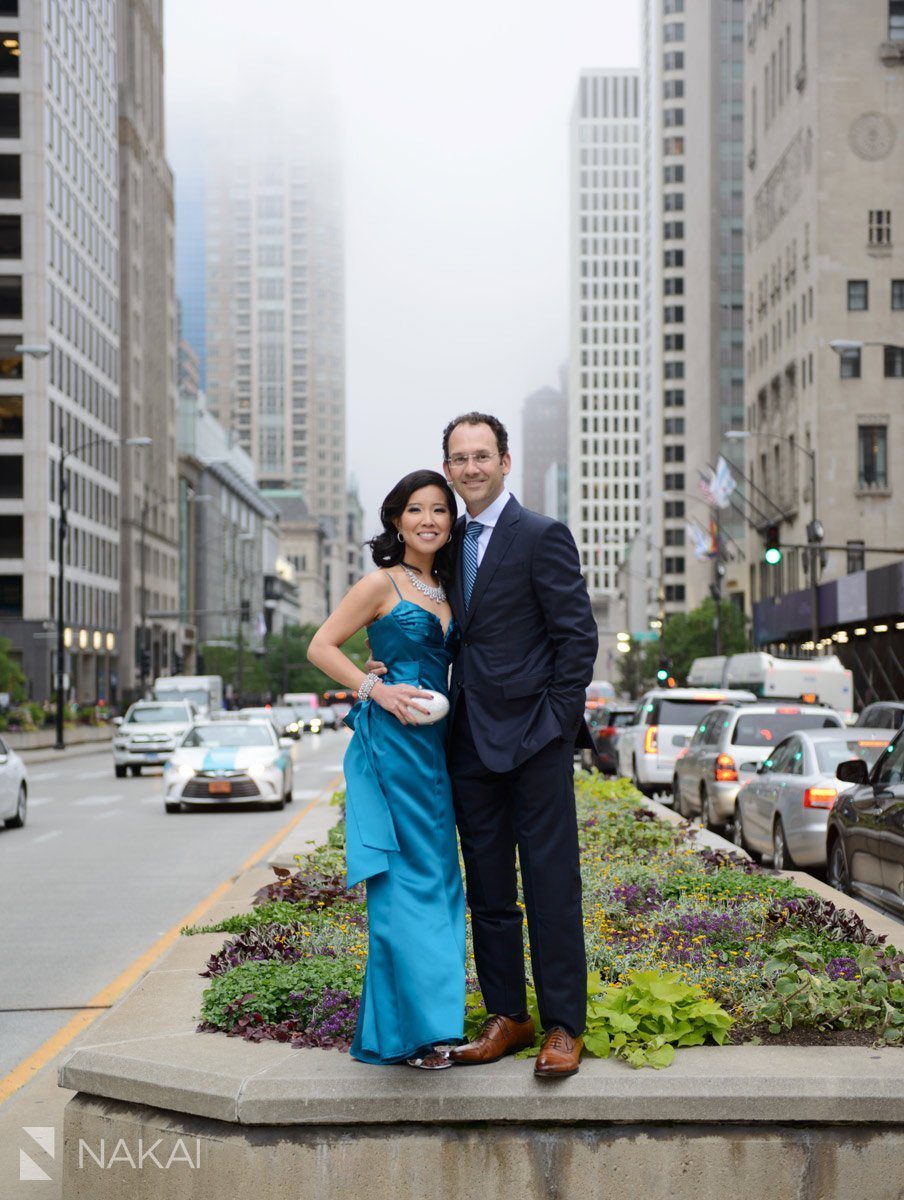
149,733
221,761
783,809
282,716
865,830
727,746
663,722
605,724
13,788
884,714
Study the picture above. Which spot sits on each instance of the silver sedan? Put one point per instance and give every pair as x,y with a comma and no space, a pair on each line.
782,811
13,788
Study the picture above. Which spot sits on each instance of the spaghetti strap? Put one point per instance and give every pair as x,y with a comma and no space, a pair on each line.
395,585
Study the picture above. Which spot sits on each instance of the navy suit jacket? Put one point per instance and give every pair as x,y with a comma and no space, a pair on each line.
528,639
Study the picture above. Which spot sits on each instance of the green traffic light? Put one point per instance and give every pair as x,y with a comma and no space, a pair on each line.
773,556
662,676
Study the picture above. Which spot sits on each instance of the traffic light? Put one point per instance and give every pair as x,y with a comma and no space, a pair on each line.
144,662
772,551
662,674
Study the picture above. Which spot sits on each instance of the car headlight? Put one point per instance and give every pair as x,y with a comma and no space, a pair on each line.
293,728
315,726
180,770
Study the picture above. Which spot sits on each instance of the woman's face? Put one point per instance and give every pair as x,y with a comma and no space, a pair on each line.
426,521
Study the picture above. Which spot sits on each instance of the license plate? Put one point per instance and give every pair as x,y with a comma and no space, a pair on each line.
151,754
219,787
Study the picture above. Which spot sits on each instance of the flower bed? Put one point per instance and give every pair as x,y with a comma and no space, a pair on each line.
683,946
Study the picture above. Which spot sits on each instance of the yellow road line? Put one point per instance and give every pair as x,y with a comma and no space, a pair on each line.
26,1070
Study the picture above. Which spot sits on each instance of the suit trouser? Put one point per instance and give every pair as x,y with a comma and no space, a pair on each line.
531,806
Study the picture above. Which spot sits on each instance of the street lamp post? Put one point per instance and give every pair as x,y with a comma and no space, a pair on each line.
60,743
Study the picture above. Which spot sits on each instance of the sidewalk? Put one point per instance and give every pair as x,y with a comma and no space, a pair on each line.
40,1103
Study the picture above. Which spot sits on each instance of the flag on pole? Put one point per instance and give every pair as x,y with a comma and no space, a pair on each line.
706,488
718,487
700,543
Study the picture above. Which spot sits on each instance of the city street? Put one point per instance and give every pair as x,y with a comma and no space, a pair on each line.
101,871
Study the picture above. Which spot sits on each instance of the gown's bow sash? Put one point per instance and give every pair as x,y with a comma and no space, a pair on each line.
369,834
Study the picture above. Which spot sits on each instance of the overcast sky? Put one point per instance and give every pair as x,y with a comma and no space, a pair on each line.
455,131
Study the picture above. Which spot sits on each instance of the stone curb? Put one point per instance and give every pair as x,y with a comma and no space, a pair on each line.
147,1052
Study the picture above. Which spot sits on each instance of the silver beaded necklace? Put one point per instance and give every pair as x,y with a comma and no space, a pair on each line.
437,594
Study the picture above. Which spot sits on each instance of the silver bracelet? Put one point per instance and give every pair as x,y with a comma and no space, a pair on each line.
367,686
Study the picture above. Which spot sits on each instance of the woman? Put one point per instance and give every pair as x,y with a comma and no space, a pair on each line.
400,825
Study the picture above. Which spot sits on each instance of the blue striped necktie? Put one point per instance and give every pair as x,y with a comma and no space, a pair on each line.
473,530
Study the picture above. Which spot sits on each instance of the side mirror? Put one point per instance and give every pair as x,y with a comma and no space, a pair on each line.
680,739
286,742
763,767
117,720
750,767
853,771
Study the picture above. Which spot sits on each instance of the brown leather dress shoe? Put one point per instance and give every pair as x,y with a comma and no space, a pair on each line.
560,1055
499,1036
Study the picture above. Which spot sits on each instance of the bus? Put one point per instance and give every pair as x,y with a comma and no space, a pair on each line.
808,680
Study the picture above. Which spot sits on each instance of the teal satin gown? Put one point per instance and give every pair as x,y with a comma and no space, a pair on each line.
400,838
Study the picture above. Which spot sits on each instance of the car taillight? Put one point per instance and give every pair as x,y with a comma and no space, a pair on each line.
651,739
606,731
819,797
726,771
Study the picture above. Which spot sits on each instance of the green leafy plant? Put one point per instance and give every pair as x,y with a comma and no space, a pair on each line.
269,990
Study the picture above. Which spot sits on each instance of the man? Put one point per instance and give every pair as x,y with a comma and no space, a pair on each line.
528,647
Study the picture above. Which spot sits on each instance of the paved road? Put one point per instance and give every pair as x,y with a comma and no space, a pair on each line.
100,871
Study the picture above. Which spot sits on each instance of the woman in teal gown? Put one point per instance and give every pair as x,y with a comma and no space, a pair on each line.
400,823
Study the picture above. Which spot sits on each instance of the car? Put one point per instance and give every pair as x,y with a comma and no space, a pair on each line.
729,744
884,714
663,721
320,718
283,716
782,811
223,761
865,829
605,724
149,733
13,787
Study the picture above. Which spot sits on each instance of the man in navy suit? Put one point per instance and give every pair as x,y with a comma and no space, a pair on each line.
528,647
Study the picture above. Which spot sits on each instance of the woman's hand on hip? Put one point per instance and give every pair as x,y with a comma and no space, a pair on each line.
399,699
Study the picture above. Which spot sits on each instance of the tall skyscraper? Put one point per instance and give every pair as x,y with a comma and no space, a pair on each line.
544,445
148,494
824,197
59,292
191,264
604,380
692,72
275,323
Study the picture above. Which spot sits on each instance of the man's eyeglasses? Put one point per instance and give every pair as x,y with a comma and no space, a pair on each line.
482,458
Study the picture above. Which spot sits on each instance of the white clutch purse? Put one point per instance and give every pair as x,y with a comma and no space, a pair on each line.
437,705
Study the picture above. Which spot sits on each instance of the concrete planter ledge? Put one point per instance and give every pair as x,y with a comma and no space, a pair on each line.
817,1123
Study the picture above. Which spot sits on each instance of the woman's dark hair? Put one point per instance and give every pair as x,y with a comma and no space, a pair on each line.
386,548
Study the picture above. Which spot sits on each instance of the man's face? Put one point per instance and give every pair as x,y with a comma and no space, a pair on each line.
477,482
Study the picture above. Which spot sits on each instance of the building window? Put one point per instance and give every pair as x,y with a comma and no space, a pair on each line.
10,185
674,537
673,258
11,595
673,173
10,536
897,294
673,118
673,89
673,314
10,416
9,54
10,297
674,482
674,286
880,227
856,556
857,295
674,592
675,566
894,362
672,6
896,21
670,370
673,342
872,456
674,202
850,364
10,236
673,508
9,8
673,230
673,425
674,398
11,477
674,454
673,32
9,115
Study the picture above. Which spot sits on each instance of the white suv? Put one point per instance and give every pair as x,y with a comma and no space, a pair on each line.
149,733
663,722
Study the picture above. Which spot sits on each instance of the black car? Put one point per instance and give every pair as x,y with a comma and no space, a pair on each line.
606,722
865,830
884,714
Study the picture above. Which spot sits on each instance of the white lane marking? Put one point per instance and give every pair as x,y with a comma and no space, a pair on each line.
37,801
45,775
111,812
94,801
332,767
306,794
45,837
93,774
